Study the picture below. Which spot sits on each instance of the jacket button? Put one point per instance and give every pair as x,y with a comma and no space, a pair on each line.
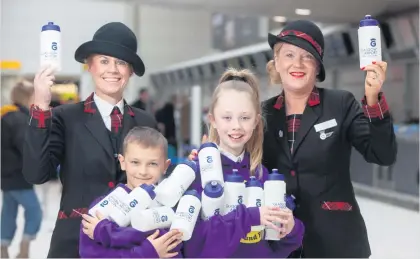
293,173
111,184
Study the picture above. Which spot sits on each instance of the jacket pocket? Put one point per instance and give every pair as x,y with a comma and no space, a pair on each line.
336,206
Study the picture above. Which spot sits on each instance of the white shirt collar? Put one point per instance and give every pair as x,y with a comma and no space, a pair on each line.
231,156
105,108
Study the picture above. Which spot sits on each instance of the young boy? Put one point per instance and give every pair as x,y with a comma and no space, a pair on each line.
144,159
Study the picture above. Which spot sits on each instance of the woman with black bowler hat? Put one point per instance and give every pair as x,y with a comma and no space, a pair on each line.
309,137
84,138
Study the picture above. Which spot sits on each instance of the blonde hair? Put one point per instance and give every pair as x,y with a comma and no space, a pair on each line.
274,76
243,81
22,93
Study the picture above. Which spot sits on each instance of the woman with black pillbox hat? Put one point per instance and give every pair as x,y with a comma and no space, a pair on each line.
84,138
309,137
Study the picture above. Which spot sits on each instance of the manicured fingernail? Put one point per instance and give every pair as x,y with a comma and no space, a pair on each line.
373,62
363,68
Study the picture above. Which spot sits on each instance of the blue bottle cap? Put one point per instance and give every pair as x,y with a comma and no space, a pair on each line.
191,164
213,189
208,144
368,21
253,182
149,189
51,27
275,176
193,192
235,177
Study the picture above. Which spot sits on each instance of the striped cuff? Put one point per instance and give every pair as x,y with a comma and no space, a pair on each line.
39,117
377,111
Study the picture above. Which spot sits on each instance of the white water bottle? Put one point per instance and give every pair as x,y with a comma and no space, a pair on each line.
153,218
50,46
108,203
235,192
169,191
212,200
210,164
370,47
254,197
138,199
187,213
275,196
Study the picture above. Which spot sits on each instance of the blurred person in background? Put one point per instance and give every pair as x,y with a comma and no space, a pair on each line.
84,138
143,100
16,190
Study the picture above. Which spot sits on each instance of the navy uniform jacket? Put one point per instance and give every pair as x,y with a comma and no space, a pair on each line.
318,170
75,137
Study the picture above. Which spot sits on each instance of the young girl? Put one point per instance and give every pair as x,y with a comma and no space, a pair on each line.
144,160
236,126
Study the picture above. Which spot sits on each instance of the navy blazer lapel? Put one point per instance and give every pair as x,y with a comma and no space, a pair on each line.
276,123
310,116
96,126
129,122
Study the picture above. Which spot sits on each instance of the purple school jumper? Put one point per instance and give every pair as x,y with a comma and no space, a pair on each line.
112,241
229,236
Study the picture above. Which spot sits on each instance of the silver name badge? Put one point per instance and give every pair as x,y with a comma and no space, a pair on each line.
325,125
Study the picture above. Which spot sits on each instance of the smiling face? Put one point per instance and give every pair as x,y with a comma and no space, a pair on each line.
296,66
109,74
143,165
234,118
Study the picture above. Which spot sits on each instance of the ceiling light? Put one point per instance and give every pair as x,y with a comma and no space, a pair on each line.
279,19
302,11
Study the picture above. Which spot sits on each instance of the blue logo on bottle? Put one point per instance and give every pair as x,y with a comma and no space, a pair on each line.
164,218
240,199
258,203
217,212
191,209
373,42
209,159
133,203
54,46
104,203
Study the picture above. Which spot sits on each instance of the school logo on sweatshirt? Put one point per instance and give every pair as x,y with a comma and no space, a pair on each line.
252,237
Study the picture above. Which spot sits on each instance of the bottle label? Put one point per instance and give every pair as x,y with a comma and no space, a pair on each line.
369,50
159,218
188,216
120,205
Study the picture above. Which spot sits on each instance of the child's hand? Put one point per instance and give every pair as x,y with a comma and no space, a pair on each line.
270,215
166,243
89,223
289,224
193,155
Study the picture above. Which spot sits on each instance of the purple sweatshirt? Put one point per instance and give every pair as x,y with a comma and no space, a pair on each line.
230,236
112,241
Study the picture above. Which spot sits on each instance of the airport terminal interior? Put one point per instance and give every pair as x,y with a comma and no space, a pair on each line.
187,44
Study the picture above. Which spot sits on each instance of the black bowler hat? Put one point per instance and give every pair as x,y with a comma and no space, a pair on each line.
306,35
113,39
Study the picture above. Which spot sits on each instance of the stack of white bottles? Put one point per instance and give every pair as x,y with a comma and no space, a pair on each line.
212,200
160,213
235,192
186,215
254,197
118,205
275,196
